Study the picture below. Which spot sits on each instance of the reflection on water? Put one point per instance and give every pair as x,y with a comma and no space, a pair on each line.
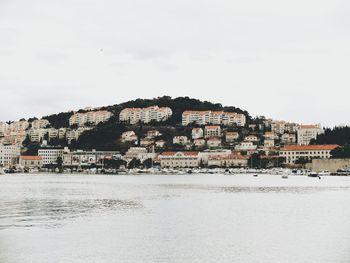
190,218
34,212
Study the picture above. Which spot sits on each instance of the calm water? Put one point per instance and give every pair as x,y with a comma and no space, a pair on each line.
193,218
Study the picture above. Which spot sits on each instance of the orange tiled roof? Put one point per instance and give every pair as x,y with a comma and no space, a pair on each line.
309,127
310,147
31,158
185,153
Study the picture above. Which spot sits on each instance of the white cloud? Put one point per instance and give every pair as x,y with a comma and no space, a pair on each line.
287,60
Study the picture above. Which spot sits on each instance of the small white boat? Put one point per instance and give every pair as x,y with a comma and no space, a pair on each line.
284,176
2,172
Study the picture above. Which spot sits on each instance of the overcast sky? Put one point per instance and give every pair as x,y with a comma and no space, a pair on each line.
283,59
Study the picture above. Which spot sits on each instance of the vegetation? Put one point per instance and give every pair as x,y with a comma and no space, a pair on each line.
60,120
341,152
337,135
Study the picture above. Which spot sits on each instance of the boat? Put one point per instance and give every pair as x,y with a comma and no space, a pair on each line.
2,172
284,176
227,171
313,174
255,175
324,173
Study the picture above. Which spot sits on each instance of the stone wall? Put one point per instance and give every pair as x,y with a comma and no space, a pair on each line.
331,165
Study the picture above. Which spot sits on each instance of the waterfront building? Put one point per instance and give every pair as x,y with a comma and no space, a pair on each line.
292,153
213,117
9,154
231,160
31,161
51,154
145,115
139,153
179,160
81,158
206,154
308,132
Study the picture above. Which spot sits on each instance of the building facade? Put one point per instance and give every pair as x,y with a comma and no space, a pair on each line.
179,160
213,117
308,132
145,115
293,153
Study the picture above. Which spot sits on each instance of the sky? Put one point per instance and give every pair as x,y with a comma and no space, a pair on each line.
287,60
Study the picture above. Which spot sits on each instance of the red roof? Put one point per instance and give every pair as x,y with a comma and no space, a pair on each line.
310,147
31,158
185,153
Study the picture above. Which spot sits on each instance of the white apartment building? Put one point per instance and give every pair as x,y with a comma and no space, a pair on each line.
294,152
50,155
76,133
3,127
18,126
40,124
9,154
278,127
37,135
90,117
212,131
62,133
179,160
213,117
308,132
52,133
145,115
11,137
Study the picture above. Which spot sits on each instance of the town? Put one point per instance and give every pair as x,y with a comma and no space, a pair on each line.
151,138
